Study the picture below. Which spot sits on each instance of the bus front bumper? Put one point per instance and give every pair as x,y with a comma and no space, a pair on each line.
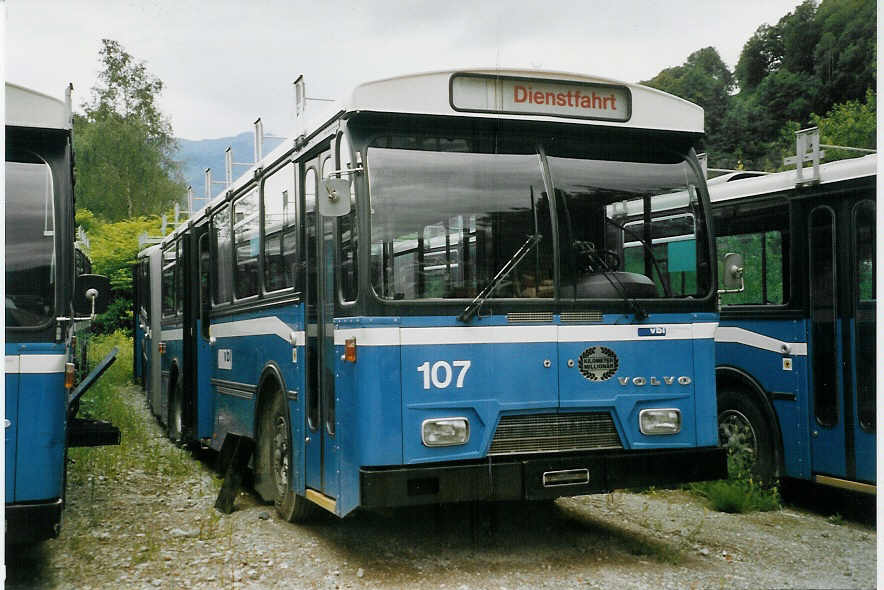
29,523
534,477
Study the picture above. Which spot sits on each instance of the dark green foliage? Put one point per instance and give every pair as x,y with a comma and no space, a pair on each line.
703,79
814,59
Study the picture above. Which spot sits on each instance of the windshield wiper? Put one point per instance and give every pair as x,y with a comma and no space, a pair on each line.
471,309
589,250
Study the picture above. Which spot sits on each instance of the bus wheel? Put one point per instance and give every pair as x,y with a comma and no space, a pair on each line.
275,441
176,415
744,432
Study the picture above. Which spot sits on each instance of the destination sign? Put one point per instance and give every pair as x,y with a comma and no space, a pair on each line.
534,96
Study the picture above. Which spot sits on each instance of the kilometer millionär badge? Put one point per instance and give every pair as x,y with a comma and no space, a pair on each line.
598,363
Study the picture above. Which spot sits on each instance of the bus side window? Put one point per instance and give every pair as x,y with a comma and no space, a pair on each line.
280,229
179,279
221,249
348,229
168,281
245,237
761,235
205,264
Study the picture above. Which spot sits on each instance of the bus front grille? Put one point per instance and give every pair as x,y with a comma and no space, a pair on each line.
551,433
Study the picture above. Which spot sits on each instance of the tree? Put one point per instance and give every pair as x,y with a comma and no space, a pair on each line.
703,79
850,124
124,145
113,248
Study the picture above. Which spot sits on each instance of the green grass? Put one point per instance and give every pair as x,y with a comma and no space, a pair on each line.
739,493
114,399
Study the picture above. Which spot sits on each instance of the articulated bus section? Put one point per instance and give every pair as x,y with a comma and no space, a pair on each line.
795,353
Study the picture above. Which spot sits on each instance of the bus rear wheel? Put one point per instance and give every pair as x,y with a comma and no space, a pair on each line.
745,433
275,452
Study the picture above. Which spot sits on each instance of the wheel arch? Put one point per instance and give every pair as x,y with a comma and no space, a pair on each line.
727,376
270,381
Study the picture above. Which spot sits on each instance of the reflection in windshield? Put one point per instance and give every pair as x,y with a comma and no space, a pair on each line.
642,218
444,223
30,244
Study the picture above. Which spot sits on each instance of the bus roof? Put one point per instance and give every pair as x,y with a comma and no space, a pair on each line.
736,187
29,108
527,95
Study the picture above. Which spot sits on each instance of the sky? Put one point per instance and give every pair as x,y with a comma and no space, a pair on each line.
226,63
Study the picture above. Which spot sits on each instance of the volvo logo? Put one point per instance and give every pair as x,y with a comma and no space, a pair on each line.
641,381
598,363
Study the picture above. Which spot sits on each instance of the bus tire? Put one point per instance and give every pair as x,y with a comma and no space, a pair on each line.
275,452
175,424
745,432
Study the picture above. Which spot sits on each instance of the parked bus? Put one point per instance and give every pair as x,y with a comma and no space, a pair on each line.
44,297
425,298
795,352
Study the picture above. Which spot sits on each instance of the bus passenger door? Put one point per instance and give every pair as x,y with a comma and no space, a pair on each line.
824,351
862,337
321,454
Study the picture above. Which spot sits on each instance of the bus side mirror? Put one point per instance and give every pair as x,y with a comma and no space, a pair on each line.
334,197
92,295
732,277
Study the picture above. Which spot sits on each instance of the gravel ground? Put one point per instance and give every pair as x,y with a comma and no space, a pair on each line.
143,530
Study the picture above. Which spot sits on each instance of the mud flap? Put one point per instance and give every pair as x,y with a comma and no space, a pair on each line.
233,461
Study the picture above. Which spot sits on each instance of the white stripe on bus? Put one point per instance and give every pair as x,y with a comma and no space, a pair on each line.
388,336
756,340
174,334
35,363
271,325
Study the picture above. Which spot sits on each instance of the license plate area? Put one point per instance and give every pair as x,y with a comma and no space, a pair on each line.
563,476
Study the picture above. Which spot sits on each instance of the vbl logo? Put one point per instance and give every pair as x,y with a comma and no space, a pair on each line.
655,331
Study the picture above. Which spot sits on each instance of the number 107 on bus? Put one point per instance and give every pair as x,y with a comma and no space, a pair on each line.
440,373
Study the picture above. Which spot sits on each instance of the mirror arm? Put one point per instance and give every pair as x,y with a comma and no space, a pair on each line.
736,271
92,294
345,171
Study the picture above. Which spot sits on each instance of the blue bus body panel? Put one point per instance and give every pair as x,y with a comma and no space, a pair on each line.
412,369
11,431
767,368
36,404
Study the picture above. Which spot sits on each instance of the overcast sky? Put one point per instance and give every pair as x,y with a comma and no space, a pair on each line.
225,63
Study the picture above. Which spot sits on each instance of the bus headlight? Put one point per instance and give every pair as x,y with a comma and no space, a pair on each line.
652,422
445,432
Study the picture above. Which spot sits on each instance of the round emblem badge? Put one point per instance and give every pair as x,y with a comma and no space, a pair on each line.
598,363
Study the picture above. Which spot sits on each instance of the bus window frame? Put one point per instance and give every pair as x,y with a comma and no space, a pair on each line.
792,299
280,169
342,302
172,246
213,254
247,191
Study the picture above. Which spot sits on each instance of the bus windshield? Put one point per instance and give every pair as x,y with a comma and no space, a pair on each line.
444,223
30,245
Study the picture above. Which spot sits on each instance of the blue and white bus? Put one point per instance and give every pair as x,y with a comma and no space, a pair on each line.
425,298
44,293
795,352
